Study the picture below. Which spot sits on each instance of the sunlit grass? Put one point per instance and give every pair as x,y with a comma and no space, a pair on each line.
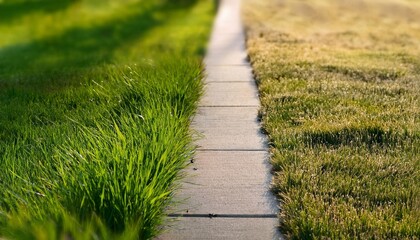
339,83
96,99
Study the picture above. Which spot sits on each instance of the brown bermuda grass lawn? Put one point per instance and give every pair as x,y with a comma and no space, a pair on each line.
340,92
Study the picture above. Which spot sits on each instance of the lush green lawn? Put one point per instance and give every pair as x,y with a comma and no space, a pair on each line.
96,99
340,89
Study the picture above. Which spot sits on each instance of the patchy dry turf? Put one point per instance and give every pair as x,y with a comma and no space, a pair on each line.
340,89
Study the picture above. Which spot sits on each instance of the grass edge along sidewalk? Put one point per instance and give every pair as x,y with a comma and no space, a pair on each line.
339,85
94,130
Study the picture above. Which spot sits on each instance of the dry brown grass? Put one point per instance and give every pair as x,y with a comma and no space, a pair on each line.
340,89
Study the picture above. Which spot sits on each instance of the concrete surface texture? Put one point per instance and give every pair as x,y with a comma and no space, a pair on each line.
226,192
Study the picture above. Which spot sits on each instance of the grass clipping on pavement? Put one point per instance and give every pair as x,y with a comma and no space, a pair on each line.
340,89
96,99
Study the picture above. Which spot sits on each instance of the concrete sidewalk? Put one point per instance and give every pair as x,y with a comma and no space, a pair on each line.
226,194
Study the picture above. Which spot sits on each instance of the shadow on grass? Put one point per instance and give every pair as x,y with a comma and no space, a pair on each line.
54,60
29,72
13,10
358,136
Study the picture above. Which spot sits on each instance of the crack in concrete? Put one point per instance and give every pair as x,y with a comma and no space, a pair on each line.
213,215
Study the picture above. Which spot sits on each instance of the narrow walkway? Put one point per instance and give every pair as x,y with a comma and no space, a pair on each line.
226,195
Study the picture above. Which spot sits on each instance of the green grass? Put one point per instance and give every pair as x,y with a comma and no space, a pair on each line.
340,93
96,99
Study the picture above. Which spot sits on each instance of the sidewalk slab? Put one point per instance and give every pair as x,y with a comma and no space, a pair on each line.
228,13
231,27
229,74
226,42
223,182
230,94
229,128
221,57
222,229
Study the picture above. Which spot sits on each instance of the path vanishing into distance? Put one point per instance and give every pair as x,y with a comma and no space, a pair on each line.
226,194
